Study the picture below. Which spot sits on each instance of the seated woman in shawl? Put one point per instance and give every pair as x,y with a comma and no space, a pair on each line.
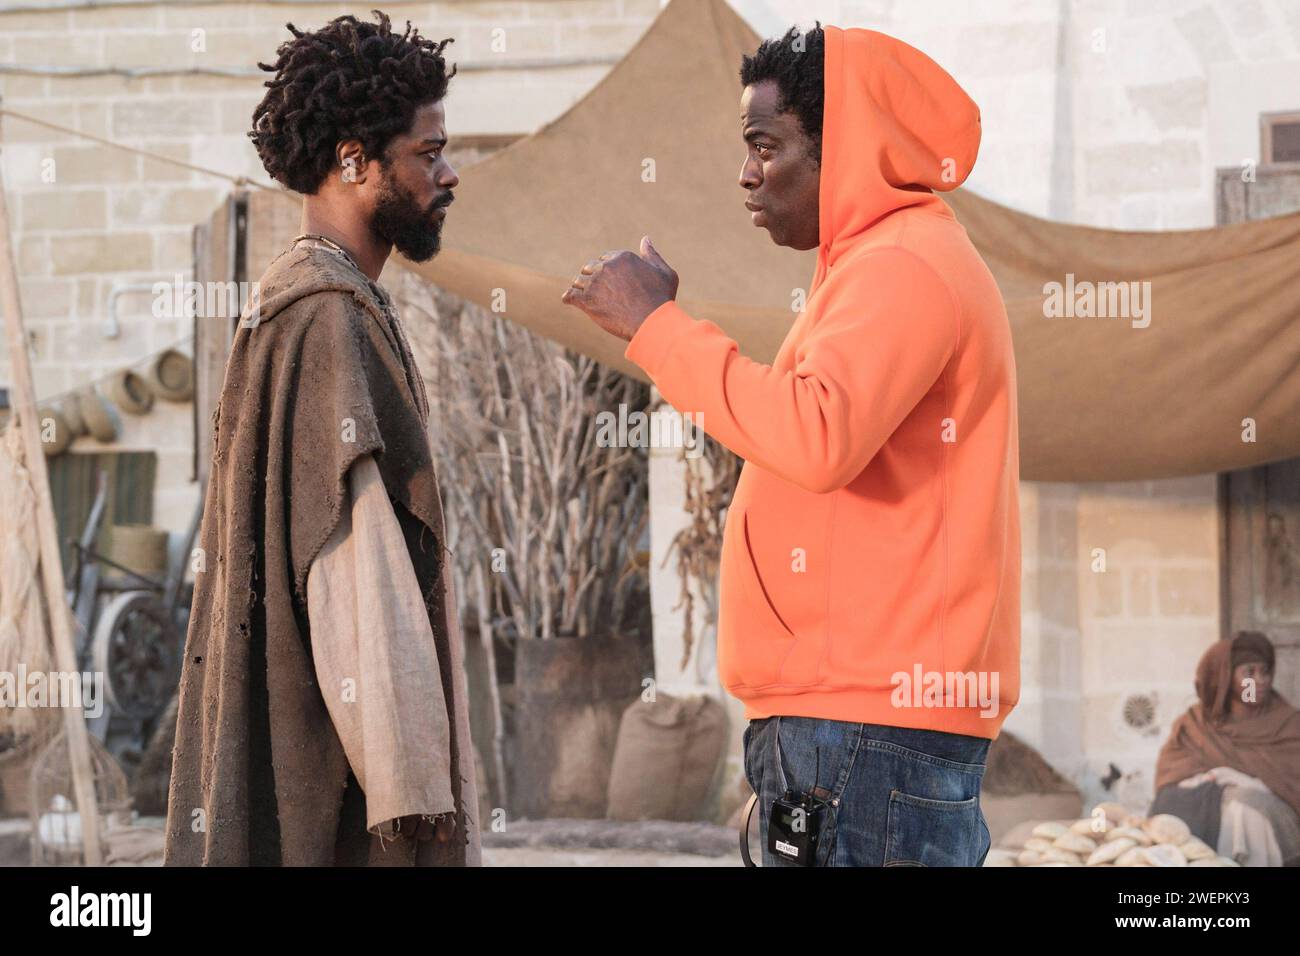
1231,765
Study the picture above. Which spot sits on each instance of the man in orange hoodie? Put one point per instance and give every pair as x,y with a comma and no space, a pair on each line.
870,574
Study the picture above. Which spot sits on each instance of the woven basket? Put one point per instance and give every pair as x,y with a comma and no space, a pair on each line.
60,434
56,824
70,409
171,376
140,547
130,392
100,419
15,776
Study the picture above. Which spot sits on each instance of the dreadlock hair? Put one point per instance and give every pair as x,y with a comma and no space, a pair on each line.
795,62
347,80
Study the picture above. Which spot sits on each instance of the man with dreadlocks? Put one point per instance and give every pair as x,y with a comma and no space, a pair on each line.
322,717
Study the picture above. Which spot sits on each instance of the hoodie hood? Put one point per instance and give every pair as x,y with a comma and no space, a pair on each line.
895,128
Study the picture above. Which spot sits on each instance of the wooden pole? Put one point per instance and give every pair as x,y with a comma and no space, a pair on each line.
23,401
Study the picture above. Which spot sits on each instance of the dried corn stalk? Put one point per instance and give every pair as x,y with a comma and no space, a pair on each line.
531,497
710,483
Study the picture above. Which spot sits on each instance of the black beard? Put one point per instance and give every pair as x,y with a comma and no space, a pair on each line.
399,221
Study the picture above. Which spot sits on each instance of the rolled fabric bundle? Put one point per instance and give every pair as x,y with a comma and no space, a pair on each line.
56,436
70,409
130,392
171,376
100,417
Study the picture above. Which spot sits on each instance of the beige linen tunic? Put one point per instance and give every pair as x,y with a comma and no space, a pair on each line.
376,660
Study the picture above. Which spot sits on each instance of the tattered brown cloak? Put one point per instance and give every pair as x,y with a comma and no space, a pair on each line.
319,376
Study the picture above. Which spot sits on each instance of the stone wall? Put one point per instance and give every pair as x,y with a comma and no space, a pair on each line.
110,217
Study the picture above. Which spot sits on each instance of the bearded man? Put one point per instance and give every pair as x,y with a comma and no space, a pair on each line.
323,717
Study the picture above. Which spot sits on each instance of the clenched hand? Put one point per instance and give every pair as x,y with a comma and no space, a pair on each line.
620,289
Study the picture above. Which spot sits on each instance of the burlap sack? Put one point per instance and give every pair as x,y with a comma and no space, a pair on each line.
666,758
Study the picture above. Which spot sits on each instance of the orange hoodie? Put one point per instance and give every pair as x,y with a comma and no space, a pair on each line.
871,558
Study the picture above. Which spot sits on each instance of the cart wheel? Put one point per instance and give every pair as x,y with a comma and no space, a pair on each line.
135,648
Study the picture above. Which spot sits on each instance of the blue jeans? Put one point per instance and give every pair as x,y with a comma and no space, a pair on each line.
899,797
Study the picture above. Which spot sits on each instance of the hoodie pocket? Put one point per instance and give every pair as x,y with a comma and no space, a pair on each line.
757,590
759,641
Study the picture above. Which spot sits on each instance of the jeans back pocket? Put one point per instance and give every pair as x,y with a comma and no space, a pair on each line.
921,831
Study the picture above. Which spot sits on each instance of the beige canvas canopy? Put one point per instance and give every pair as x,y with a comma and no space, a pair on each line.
655,148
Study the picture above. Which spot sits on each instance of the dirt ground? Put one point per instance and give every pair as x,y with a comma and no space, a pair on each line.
527,843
